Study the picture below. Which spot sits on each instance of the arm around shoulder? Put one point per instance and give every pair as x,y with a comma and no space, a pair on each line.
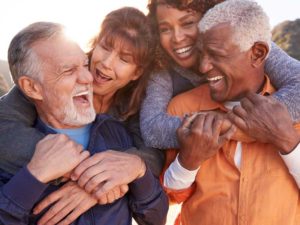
157,127
284,73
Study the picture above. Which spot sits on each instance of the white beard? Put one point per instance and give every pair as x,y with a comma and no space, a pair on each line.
75,116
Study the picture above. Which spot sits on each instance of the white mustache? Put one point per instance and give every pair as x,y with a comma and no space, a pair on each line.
82,91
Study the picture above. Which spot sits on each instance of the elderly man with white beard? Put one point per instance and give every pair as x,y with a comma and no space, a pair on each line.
52,71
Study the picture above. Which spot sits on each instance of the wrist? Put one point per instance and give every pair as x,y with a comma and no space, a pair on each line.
188,163
37,173
142,169
289,145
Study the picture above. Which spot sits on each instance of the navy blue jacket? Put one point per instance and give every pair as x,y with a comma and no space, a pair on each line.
145,201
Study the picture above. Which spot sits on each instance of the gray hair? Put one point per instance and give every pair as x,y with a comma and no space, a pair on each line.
22,59
250,22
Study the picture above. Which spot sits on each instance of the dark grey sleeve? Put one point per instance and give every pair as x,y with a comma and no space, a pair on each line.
154,158
17,137
284,73
157,127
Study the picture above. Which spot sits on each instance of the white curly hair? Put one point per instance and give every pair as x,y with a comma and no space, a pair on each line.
250,22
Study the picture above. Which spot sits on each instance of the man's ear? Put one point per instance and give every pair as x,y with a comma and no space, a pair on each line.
30,87
259,52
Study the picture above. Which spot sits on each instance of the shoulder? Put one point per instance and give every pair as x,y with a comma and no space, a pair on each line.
160,76
193,100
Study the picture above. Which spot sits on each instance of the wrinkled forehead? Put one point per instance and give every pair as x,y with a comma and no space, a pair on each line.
59,53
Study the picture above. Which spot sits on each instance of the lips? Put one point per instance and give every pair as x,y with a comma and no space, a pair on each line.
82,97
101,77
184,52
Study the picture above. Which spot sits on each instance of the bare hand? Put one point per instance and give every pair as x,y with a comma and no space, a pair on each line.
106,170
70,200
54,156
200,137
112,195
266,120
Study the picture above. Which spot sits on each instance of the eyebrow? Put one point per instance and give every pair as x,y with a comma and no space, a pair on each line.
180,19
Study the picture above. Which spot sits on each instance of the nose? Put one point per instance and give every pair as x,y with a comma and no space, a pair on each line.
85,77
205,64
178,34
107,60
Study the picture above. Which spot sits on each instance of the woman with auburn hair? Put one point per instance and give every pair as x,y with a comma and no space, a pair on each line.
120,60
175,25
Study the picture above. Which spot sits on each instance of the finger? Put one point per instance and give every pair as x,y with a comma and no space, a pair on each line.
91,175
111,197
186,124
198,123
226,136
106,187
124,189
238,120
102,200
217,126
254,98
240,111
117,192
50,199
84,155
97,180
208,124
54,210
61,214
84,165
77,212
246,105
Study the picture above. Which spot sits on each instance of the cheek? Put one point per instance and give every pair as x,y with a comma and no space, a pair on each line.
194,34
165,41
125,75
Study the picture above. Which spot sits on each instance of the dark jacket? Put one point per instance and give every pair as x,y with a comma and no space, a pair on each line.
18,137
145,201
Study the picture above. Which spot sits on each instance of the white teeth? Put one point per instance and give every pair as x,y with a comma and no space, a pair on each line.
102,75
183,50
81,93
214,78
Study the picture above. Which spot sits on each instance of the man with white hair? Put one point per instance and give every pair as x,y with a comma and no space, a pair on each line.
52,71
222,175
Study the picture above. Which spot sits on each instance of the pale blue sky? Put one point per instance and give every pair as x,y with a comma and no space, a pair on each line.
84,17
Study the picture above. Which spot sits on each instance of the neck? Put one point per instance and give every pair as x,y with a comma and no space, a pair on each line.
254,84
102,102
258,81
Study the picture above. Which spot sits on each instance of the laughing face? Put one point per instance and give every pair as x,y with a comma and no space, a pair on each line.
66,85
178,34
227,69
113,67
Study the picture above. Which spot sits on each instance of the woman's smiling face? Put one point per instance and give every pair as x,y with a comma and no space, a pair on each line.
112,67
178,34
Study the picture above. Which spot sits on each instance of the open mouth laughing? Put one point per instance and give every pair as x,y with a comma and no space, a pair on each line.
184,52
82,97
101,77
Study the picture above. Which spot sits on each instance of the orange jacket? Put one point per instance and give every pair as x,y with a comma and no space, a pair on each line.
262,192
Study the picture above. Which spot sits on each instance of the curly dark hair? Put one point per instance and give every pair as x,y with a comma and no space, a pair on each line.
162,59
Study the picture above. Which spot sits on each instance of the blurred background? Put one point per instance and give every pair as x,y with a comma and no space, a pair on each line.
83,19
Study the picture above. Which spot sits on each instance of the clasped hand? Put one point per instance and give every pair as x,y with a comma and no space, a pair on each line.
200,137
